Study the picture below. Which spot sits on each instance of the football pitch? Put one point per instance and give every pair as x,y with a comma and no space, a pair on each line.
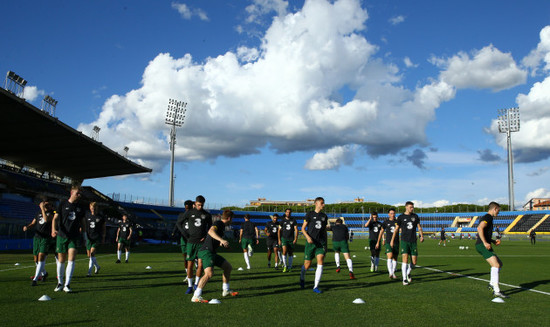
449,288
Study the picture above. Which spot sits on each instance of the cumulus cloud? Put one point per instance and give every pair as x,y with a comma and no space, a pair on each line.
538,193
259,8
488,68
31,93
541,54
422,204
488,156
283,94
187,13
417,158
331,159
397,20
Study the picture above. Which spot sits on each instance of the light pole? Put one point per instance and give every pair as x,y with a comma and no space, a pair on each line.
174,117
508,122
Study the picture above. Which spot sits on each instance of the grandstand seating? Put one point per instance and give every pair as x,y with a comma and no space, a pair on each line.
527,222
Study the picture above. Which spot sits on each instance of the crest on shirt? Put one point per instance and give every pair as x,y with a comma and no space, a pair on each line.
203,216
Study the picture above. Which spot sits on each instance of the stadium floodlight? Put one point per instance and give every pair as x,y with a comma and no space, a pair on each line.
49,104
126,149
95,132
508,122
175,116
15,84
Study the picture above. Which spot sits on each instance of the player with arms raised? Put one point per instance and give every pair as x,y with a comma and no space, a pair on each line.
483,246
409,223
314,229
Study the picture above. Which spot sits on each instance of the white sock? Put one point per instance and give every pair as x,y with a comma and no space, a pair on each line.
284,260
94,262
394,268
494,279
390,266
337,259
303,273
39,268
69,272
198,292
404,269
118,254
372,261
246,259
350,265
318,275
60,272
197,278
90,265
225,286
290,259
190,282
127,255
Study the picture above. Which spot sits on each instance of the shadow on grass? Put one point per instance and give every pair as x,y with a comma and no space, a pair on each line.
69,323
528,286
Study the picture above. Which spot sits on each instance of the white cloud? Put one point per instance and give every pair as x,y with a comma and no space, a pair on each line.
540,54
538,193
282,94
30,93
397,20
188,13
409,63
331,159
262,7
488,68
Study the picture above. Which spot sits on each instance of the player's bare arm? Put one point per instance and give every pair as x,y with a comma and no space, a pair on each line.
54,223
482,225
214,235
421,233
308,238
27,227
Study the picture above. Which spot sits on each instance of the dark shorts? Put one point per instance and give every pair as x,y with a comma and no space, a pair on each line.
210,259
64,244
245,242
393,250
311,251
91,244
193,251
409,248
289,243
42,245
125,242
183,244
484,252
271,243
340,246
373,250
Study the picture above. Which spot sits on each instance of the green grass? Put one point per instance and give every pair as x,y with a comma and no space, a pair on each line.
129,295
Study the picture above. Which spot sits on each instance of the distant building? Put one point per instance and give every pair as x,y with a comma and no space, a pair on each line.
356,200
537,204
263,201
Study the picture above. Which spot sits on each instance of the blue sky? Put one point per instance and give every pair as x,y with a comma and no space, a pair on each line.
385,100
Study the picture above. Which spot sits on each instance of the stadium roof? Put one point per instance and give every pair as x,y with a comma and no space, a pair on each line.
31,137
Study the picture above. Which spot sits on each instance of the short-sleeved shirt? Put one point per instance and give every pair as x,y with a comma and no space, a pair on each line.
488,230
249,229
70,218
199,222
273,228
374,230
183,226
339,233
408,225
389,227
317,225
287,228
43,226
211,244
124,229
94,226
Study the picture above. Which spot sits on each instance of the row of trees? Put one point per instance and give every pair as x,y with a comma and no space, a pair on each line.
369,207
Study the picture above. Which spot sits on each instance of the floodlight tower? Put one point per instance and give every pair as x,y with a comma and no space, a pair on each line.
174,117
508,122
49,104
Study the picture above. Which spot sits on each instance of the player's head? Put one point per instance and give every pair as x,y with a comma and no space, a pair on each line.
288,212
124,217
93,206
188,205
76,193
319,203
339,221
227,216
391,213
374,216
494,208
199,202
409,207
274,217
247,217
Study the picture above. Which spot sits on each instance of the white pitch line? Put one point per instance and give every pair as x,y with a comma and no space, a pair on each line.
51,263
483,280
